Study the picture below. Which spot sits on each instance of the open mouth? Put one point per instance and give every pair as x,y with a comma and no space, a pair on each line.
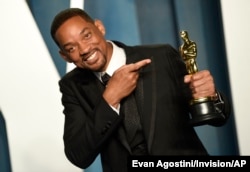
91,57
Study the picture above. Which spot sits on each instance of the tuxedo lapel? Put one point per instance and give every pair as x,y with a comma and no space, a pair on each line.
146,100
145,92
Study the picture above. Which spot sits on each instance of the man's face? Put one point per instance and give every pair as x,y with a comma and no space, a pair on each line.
83,44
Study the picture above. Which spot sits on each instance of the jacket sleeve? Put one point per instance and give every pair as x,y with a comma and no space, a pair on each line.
89,122
223,108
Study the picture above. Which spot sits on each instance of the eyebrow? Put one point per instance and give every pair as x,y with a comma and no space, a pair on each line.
84,29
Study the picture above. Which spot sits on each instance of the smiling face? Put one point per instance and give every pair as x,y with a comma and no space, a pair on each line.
83,43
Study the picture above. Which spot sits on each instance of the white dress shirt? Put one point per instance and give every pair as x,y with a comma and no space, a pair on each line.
118,59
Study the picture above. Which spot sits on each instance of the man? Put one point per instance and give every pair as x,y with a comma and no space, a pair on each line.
148,91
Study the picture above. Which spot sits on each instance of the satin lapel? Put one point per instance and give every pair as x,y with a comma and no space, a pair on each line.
146,92
146,98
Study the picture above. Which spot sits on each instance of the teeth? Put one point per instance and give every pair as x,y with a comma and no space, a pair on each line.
92,56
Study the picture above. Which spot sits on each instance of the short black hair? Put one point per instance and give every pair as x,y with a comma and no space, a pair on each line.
64,15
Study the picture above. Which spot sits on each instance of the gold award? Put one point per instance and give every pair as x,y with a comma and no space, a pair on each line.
188,52
202,109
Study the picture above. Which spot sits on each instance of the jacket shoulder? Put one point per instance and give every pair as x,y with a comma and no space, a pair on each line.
147,48
76,75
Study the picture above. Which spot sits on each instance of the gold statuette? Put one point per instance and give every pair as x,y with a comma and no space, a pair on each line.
202,109
188,52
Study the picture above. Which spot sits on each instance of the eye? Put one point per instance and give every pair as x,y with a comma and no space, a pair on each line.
70,49
87,35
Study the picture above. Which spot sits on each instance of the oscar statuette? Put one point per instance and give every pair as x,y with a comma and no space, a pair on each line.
203,110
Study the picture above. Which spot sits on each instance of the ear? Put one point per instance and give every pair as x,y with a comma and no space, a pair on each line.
64,56
100,26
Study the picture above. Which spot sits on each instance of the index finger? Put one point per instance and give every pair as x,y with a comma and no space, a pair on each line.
142,63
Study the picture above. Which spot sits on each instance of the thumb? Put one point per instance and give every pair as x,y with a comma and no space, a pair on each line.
187,78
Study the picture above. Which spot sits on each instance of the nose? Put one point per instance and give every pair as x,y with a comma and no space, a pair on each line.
83,48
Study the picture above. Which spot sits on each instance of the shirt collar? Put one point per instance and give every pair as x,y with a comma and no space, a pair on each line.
118,59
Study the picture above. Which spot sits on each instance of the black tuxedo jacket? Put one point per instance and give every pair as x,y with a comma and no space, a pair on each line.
93,128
